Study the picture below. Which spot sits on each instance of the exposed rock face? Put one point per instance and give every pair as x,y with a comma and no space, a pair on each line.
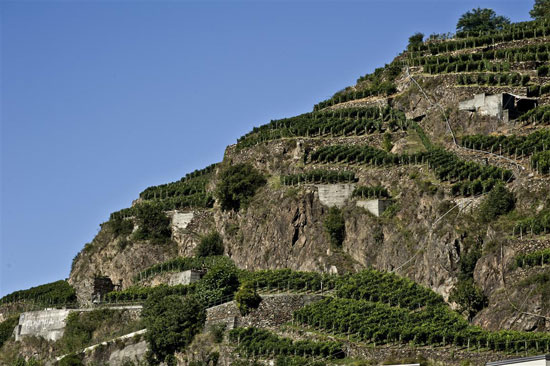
130,353
106,256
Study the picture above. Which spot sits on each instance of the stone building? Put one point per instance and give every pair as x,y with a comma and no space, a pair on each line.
504,106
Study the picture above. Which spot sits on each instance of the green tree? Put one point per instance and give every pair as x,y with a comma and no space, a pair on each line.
238,184
481,20
415,40
220,282
172,322
335,226
247,298
210,244
541,9
498,202
469,298
152,223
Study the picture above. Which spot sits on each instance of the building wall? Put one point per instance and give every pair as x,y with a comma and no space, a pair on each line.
376,207
334,194
48,324
180,220
183,278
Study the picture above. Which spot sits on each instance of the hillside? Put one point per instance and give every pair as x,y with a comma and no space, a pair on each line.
415,204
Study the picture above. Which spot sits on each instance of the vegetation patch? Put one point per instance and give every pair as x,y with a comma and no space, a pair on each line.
90,327
238,184
51,294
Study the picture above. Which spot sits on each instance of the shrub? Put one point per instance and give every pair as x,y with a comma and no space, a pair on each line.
6,328
152,223
172,322
210,245
247,298
121,226
335,226
238,184
469,297
220,282
498,202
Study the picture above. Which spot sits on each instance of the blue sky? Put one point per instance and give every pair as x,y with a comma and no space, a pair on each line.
100,100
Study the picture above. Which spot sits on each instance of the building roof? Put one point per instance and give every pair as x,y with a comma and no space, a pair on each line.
519,360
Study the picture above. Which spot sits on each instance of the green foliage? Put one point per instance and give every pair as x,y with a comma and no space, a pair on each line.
537,258
498,202
210,245
387,143
474,61
335,226
121,226
380,323
539,115
481,20
375,87
541,9
6,328
464,40
415,40
370,192
537,224
86,328
238,184
469,297
493,79
518,145
220,282
385,287
473,188
319,176
254,341
543,70
247,298
140,294
179,264
432,325
290,280
191,184
341,122
472,66
538,90
152,223
71,360
51,294
541,162
446,165
171,321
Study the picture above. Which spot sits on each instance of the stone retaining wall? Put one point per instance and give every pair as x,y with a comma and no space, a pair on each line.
273,311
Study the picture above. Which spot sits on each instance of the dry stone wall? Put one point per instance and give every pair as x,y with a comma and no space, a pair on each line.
273,311
334,194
